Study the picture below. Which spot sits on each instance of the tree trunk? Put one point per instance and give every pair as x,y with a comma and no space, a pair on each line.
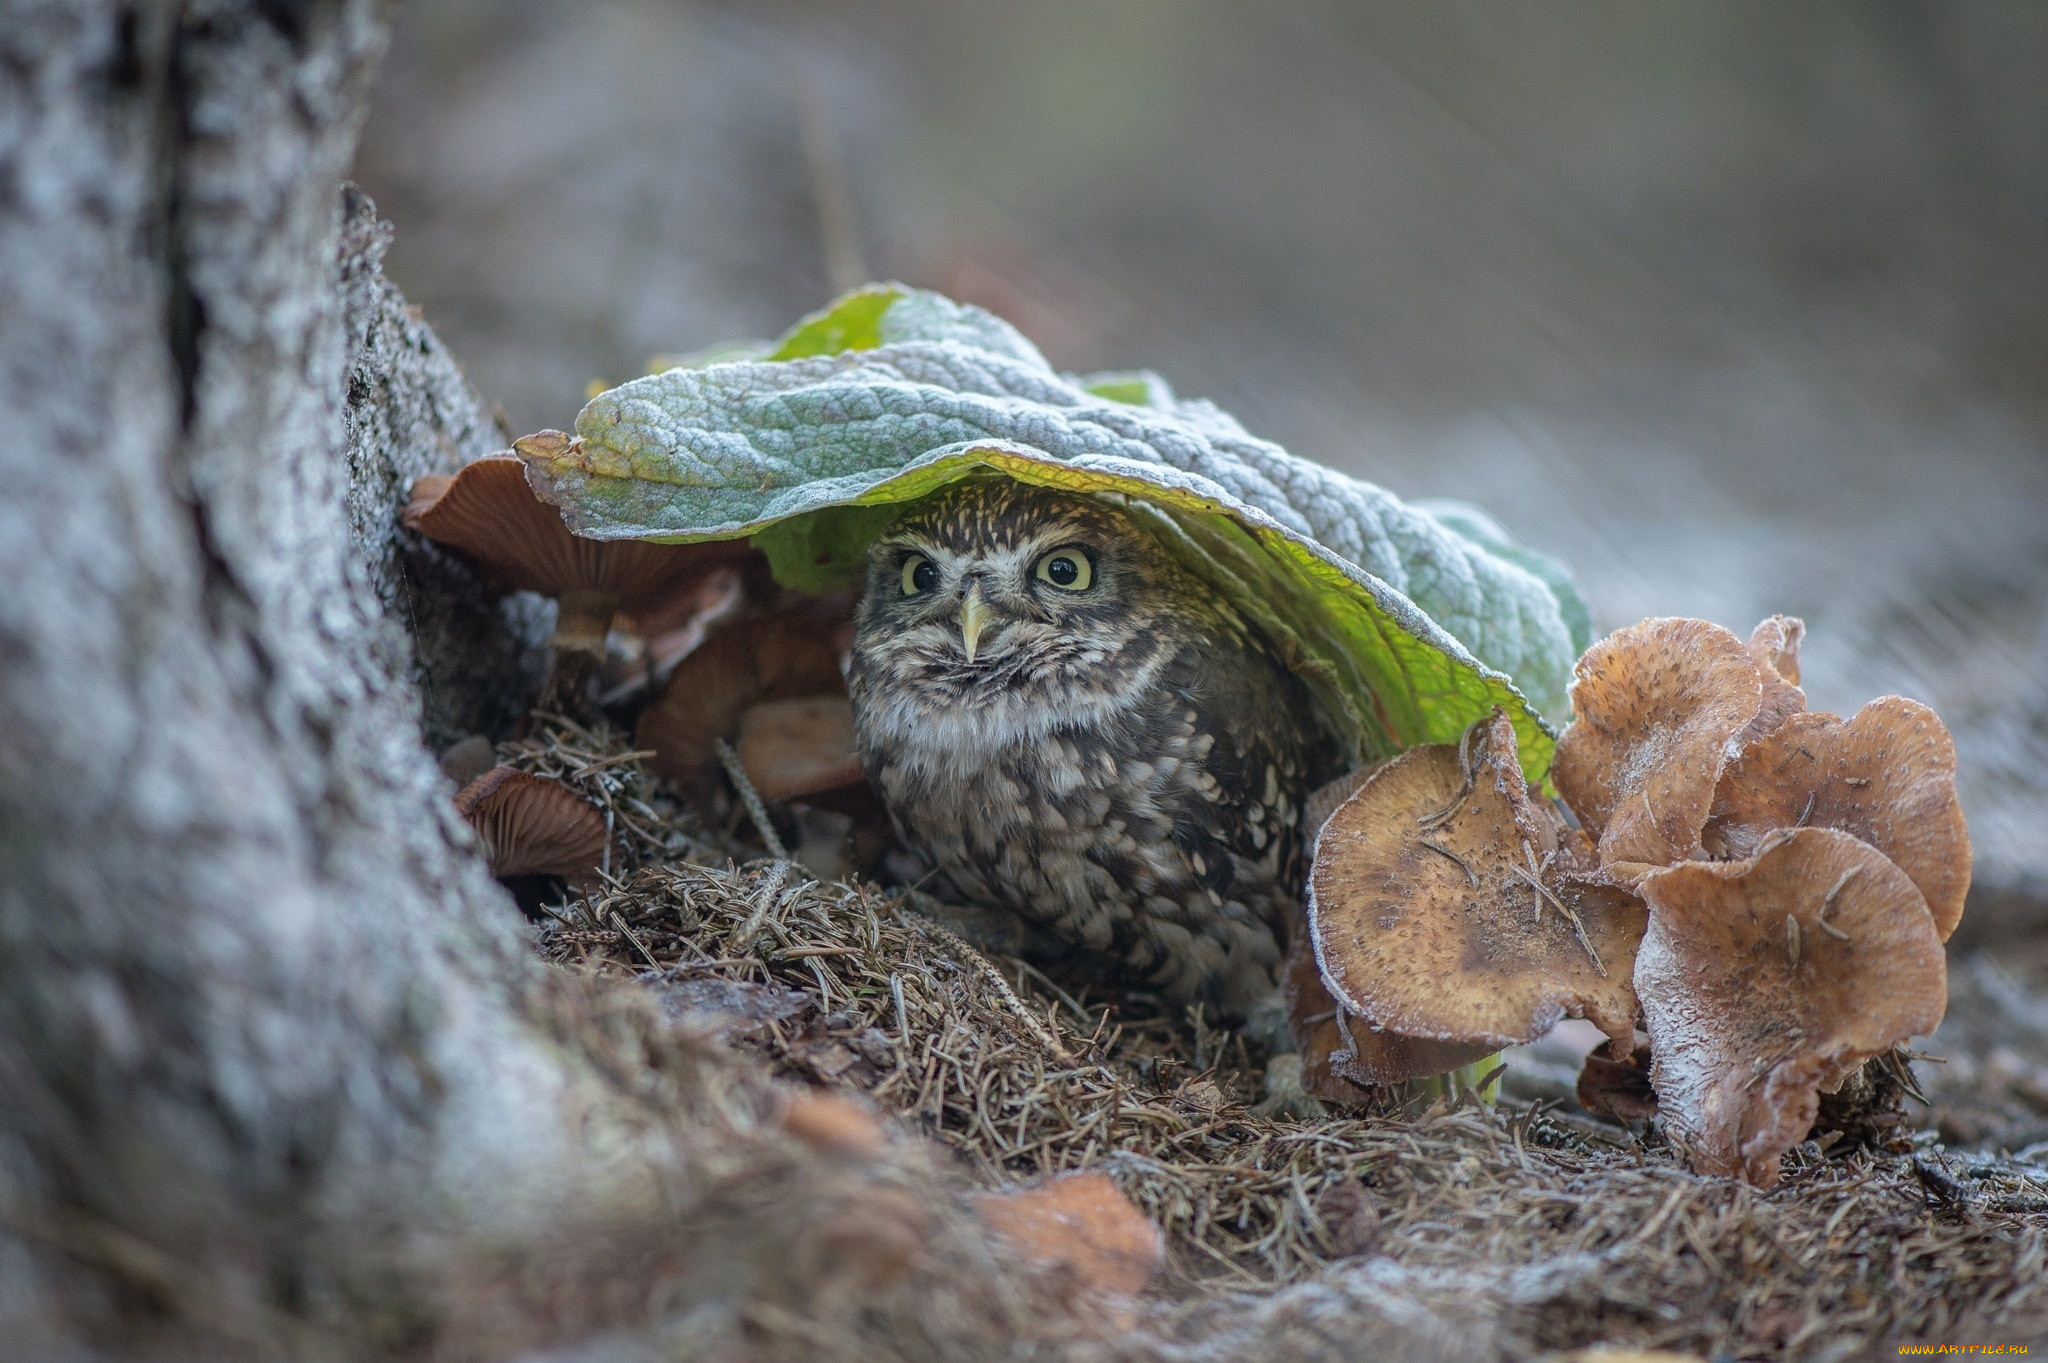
280,1073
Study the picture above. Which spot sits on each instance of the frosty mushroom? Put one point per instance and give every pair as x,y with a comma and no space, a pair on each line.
1654,707
1768,981
1887,775
1444,907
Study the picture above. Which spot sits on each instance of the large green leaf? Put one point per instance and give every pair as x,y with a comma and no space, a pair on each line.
1409,627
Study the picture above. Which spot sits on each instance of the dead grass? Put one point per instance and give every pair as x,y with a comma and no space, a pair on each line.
1533,1229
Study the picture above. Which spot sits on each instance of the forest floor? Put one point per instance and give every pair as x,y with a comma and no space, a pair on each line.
1552,1228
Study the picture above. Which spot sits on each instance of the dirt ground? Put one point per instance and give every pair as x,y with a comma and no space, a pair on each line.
1525,1223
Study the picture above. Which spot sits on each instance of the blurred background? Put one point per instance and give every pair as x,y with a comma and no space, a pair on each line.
1737,308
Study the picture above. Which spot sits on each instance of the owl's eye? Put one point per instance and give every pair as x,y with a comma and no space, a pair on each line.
920,575
1068,569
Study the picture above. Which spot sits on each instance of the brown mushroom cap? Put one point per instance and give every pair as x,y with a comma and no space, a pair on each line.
1341,1057
530,825
489,514
793,748
1618,1088
1774,645
829,1123
1654,707
1764,981
1427,918
1081,1222
1888,776
777,657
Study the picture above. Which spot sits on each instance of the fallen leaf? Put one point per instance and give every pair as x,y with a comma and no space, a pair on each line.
1082,1223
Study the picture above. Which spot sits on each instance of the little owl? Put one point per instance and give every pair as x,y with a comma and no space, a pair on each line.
1066,724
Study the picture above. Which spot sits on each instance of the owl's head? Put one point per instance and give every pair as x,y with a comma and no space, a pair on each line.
998,594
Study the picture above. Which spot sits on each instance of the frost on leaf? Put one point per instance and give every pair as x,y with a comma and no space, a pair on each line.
1654,707
1888,776
1444,905
893,394
1768,981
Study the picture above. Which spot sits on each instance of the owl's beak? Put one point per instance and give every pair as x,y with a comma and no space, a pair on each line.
974,617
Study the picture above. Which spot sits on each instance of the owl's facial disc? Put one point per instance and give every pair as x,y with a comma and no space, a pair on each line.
996,600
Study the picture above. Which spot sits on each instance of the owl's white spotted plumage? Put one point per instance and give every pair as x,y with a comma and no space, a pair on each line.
1065,723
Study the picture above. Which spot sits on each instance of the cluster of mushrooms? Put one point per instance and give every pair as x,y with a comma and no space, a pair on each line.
695,637
1754,894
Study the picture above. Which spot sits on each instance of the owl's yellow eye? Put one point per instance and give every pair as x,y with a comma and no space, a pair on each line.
1067,569
920,575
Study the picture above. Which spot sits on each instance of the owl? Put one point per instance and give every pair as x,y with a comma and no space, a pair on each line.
1064,723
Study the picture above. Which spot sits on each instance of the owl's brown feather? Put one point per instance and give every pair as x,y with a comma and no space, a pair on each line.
1123,764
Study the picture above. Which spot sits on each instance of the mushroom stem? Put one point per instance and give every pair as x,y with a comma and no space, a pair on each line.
582,619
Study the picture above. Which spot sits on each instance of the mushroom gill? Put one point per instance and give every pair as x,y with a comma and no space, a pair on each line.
488,515
530,825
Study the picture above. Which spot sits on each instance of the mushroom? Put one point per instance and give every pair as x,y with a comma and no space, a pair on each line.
530,825
1342,1060
832,1125
1082,1223
1443,905
1888,776
794,748
490,516
789,655
1654,707
1774,646
1769,980
1324,801
1618,1088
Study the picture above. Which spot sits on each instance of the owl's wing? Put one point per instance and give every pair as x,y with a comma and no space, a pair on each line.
1268,750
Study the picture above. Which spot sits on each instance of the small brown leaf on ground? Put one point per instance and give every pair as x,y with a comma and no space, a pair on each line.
1887,776
1654,707
1753,1006
1439,911
1082,1223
